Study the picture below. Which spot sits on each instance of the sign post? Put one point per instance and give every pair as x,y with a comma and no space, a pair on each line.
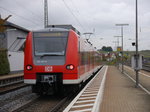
133,62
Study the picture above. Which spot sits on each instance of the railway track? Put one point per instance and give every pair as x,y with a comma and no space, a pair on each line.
4,90
27,101
15,99
41,104
146,68
46,103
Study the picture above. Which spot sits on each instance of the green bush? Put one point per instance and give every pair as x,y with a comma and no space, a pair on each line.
4,63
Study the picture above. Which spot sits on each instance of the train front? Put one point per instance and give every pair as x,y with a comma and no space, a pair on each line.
50,60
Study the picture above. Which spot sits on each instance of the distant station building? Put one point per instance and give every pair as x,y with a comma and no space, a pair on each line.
13,40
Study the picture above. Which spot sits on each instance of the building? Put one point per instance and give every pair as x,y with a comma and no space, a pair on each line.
13,40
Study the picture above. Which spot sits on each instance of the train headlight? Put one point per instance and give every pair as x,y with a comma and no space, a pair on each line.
70,67
29,67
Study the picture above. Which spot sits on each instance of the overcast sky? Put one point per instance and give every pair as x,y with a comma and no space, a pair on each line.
98,16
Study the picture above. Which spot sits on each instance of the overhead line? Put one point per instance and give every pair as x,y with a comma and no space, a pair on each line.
73,3
73,15
28,10
19,16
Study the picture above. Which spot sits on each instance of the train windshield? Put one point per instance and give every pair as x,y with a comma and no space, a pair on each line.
50,43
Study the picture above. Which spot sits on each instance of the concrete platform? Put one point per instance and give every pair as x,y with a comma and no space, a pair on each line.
120,94
7,76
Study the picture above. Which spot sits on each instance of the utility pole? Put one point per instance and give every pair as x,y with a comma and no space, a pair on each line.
137,55
45,14
117,39
115,42
122,42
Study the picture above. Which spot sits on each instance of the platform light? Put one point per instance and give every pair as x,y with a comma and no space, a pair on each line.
122,25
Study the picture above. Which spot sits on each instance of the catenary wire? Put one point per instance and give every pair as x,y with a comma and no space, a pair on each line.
19,16
73,15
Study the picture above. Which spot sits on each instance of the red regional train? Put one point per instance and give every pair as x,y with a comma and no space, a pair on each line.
58,59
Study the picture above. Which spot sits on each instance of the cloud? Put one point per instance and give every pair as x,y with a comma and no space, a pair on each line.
86,15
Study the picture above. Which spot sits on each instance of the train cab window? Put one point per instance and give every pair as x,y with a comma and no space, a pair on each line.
50,44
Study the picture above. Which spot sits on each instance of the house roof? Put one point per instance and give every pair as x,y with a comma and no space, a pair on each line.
9,24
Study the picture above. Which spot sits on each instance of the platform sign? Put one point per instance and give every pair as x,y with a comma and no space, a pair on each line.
133,62
119,49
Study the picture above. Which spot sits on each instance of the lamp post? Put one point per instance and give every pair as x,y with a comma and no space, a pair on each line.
122,41
117,39
115,42
136,34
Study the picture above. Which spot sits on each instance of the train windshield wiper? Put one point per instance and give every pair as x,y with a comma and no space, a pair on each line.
50,54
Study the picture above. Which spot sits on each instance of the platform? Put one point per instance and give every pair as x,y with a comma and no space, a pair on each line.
8,76
120,94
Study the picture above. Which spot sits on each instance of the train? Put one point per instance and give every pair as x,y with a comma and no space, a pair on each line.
57,59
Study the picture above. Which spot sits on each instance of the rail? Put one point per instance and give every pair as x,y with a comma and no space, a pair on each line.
146,67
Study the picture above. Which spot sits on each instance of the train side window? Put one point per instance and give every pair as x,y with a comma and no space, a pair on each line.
17,45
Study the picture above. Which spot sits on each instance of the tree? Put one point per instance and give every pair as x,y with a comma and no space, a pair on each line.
104,48
2,22
109,48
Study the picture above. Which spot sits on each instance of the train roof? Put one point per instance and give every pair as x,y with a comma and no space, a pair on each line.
10,24
51,29
65,27
58,28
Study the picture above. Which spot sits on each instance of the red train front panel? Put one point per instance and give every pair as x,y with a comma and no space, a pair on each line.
54,58
51,57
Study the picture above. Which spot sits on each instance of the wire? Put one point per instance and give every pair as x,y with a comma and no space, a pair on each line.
77,10
73,15
23,7
19,16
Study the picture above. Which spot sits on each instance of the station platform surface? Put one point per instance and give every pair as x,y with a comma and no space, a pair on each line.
120,94
6,76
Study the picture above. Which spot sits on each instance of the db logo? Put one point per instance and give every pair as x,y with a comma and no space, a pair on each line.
48,68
